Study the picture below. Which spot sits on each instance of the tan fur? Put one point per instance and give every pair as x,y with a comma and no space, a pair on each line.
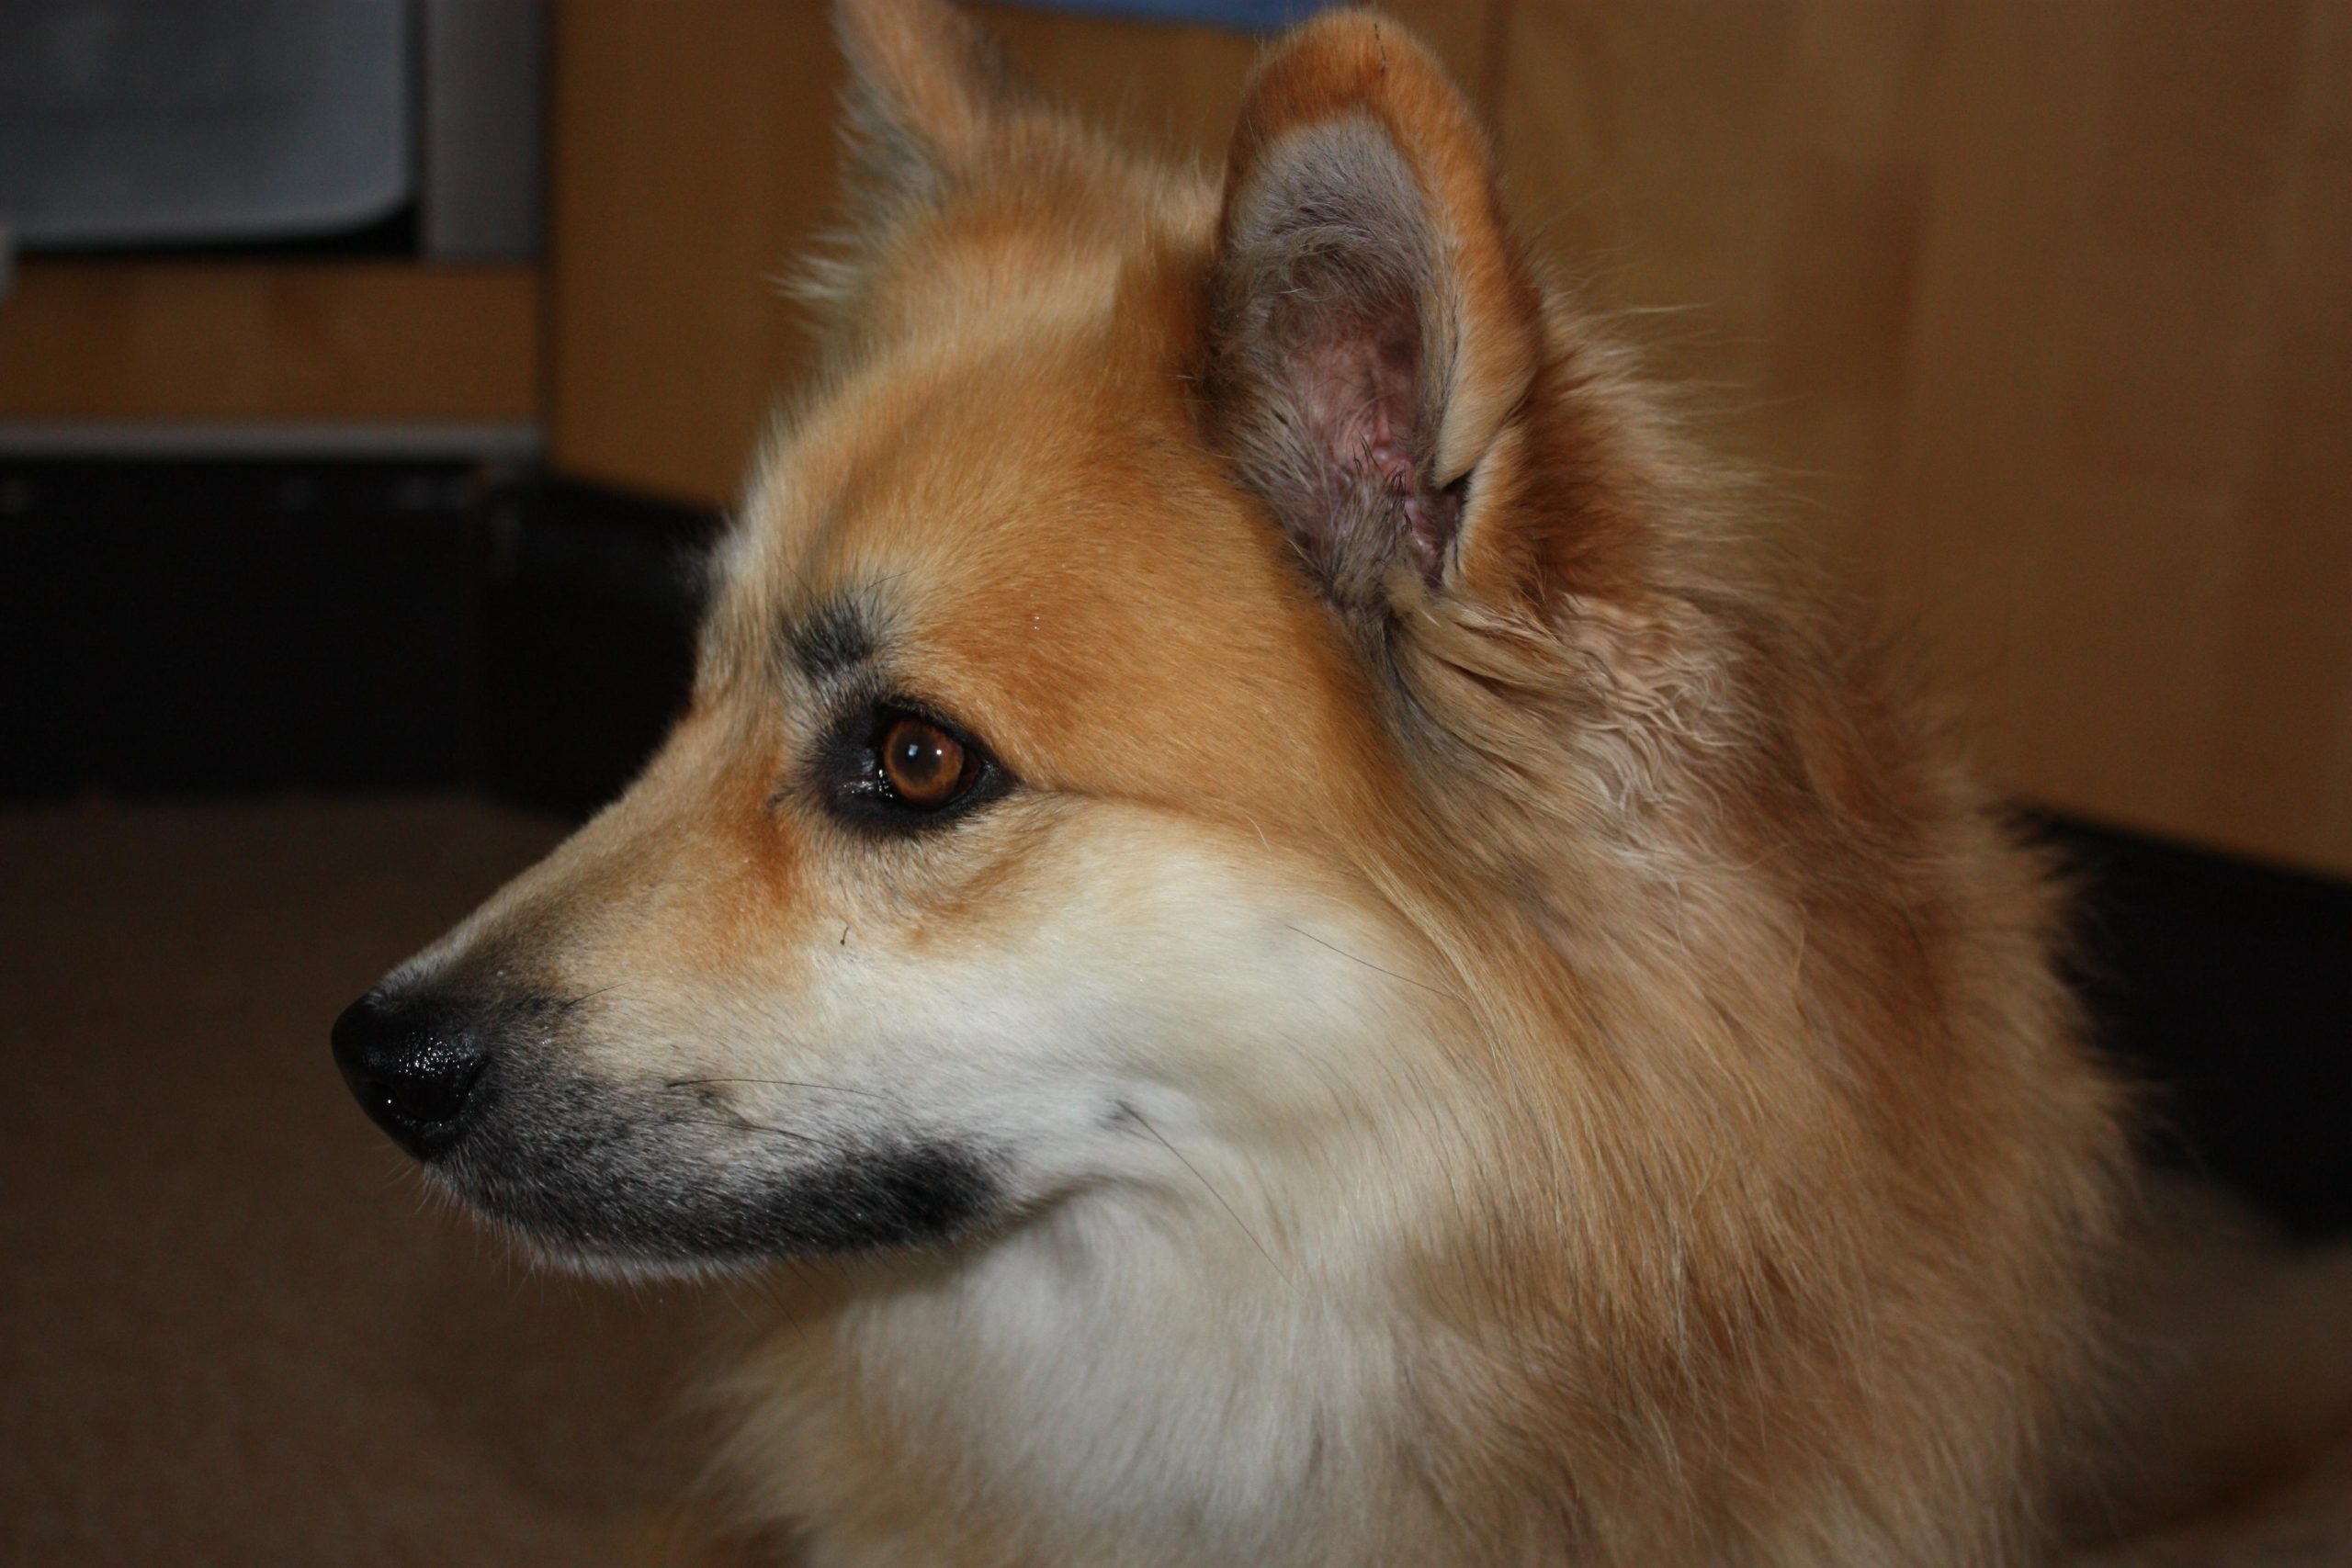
1608,1098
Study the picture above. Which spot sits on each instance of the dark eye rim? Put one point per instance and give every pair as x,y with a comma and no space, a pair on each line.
850,781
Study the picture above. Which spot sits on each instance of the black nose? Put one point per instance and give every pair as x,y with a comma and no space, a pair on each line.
414,1063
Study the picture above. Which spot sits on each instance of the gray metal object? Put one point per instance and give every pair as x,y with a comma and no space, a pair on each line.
125,122
485,140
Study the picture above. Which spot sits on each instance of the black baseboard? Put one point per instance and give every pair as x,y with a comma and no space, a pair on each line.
206,628
592,599
211,628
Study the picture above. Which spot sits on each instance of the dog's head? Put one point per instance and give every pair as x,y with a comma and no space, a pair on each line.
1108,691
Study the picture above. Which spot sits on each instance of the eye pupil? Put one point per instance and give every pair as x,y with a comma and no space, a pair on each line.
922,762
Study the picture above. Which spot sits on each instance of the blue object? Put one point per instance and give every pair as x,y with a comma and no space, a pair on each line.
1241,16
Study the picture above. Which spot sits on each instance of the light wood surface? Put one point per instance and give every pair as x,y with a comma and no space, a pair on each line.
239,341
2040,317
694,159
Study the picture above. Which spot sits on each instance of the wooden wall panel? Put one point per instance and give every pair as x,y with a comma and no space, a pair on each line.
269,342
2040,318
695,159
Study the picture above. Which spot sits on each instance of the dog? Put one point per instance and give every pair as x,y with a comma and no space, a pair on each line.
1279,934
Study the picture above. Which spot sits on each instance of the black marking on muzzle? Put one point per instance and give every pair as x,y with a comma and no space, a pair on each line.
618,1172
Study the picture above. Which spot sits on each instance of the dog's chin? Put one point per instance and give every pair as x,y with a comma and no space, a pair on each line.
891,1199
598,1185
601,1262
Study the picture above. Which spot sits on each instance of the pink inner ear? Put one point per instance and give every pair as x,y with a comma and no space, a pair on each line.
1318,374
1357,388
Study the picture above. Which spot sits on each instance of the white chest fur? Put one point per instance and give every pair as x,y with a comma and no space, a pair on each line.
1114,1384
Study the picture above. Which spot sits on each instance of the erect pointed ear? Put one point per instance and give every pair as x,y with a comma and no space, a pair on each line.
927,88
1374,327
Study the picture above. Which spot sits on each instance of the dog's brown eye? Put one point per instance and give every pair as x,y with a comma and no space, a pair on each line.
924,764
893,767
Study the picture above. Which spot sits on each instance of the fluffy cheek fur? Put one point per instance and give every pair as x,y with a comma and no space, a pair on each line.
1207,1071
1131,980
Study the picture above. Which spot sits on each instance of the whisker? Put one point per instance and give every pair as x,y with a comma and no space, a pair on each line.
746,1127
584,996
787,1083
1424,985
1204,1181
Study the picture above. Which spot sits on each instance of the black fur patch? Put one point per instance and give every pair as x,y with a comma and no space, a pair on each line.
656,1177
912,1195
835,637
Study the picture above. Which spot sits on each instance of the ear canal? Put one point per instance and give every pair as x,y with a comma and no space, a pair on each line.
1373,325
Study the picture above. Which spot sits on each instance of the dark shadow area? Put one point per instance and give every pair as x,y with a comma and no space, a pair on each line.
592,599
228,628
2228,986
195,628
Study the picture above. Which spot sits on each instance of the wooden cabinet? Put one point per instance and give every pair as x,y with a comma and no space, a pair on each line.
694,159
2037,318
269,342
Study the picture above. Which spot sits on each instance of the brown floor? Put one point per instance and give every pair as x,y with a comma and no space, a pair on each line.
231,1329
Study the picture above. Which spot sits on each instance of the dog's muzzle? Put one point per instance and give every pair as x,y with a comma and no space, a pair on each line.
414,1063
